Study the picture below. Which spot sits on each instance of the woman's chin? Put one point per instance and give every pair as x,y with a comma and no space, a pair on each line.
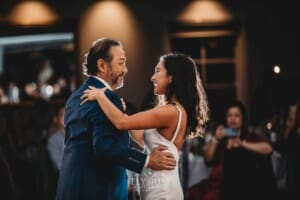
157,92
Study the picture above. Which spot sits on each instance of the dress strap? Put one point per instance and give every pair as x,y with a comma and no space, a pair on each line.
178,124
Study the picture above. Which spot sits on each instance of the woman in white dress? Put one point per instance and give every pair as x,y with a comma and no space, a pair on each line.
181,111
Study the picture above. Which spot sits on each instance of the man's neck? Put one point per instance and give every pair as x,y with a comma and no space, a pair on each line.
103,81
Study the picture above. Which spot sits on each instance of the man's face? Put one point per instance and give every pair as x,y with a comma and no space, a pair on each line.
117,68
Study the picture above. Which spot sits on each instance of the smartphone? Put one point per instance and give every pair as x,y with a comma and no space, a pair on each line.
231,132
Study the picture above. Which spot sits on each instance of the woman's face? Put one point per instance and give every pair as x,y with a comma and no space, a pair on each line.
234,118
161,80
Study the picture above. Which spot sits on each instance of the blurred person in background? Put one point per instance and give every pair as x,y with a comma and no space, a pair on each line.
241,163
55,144
289,147
3,96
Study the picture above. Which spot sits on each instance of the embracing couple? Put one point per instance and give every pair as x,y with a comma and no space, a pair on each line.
97,151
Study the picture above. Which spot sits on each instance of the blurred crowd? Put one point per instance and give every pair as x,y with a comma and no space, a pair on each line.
235,160
31,145
254,163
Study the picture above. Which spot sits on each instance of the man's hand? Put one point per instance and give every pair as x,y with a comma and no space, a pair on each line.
160,160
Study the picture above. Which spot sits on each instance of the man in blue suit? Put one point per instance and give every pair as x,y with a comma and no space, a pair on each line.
96,153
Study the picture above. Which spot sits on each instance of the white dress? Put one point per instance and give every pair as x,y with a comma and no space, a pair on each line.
163,184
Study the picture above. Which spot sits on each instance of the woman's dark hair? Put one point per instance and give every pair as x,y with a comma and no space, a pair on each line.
238,104
183,85
100,49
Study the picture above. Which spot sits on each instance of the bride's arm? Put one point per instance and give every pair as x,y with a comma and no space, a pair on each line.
154,118
137,136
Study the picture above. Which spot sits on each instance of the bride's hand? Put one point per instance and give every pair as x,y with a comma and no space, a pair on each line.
91,94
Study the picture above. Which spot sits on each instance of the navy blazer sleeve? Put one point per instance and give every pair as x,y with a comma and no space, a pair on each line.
111,143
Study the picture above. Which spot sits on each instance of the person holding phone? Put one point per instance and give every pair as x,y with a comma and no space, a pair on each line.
240,161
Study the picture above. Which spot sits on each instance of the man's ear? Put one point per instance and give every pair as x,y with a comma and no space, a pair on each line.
101,65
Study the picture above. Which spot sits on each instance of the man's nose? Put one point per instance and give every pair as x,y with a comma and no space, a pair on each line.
125,71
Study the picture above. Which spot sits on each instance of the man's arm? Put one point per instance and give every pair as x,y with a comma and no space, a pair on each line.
136,140
106,143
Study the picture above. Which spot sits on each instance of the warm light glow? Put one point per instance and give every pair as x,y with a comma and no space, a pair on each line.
205,11
108,18
29,13
115,20
276,69
111,19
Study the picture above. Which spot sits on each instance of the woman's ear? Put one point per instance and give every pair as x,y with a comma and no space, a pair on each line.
170,79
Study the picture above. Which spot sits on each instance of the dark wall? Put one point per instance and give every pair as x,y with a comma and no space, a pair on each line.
272,39
271,33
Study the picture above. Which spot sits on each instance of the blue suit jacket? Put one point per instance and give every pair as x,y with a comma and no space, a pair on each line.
95,153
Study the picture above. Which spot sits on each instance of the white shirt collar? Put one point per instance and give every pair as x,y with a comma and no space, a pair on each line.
103,81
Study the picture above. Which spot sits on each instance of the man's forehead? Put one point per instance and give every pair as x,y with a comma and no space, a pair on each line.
118,52
120,56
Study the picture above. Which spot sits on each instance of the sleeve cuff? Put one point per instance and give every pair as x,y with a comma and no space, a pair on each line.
147,161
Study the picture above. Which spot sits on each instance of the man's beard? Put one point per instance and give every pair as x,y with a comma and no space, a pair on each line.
118,80
120,85
115,78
